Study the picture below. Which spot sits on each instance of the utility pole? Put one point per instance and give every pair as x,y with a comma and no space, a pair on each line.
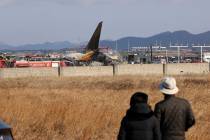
202,53
166,55
151,53
116,46
128,45
178,51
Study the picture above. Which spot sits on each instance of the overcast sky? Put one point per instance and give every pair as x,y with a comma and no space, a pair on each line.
37,21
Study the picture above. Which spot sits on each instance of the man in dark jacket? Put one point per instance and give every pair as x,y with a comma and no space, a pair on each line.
139,122
175,114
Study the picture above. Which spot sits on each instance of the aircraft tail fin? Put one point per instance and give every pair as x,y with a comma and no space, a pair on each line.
94,41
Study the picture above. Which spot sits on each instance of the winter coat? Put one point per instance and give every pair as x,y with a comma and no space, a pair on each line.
139,124
175,116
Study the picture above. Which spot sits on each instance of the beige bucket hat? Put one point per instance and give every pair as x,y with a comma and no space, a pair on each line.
168,86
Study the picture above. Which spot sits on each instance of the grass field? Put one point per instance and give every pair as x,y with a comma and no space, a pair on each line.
90,108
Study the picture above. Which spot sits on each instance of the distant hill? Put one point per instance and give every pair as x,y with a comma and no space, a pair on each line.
4,46
165,38
46,46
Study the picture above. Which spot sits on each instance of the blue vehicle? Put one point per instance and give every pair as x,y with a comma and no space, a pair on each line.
5,131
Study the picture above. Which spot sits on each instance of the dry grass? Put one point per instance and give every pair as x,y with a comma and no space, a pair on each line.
89,108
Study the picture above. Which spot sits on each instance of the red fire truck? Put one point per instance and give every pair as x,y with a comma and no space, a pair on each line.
37,61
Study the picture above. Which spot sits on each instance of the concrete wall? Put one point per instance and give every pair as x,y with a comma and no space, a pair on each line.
140,69
87,71
187,68
28,72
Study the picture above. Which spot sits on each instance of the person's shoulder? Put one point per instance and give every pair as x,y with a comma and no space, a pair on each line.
124,120
183,101
160,103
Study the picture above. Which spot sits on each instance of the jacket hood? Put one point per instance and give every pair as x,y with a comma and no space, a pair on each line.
140,110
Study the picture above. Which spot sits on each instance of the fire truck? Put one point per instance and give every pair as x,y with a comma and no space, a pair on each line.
40,61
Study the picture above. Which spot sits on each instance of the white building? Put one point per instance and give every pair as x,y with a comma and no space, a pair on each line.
206,57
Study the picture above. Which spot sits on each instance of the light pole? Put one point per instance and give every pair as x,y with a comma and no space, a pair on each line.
116,46
128,45
201,50
178,51
166,56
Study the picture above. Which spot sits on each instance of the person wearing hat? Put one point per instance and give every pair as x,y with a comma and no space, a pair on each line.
139,122
174,113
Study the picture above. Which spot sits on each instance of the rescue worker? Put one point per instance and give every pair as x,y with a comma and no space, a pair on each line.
174,113
139,122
